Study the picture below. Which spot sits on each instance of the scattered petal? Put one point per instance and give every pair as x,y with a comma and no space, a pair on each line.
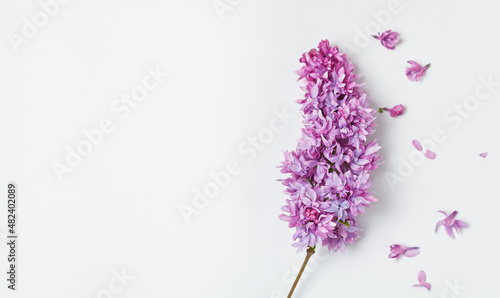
430,154
417,145
484,154
449,231
421,277
397,251
395,111
460,224
388,39
415,72
450,223
411,252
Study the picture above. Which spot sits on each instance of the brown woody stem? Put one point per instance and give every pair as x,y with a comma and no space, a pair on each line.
310,252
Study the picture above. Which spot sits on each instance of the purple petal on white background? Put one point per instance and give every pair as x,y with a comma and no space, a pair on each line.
449,231
417,145
411,252
460,223
430,154
421,277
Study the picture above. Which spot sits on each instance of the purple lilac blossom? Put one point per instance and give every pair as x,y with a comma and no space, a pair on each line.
396,110
329,171
415,72
388,39
451,223
422,280
398,250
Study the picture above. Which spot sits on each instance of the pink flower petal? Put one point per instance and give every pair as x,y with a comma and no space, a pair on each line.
388,39
415,72
398,251
460,223
422,281
484,154
449,231
395,111
417,145
427,286
411,252
421,276
429,154
451,223
439,223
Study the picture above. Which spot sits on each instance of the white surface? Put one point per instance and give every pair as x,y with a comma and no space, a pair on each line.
119,209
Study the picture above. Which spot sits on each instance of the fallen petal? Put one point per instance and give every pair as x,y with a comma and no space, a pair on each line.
421,276
396,251
429,154
484,154
413,64
439,223
415,72
422,280
445,214
426,285
417,145
460,223
411,252
449,231
388,39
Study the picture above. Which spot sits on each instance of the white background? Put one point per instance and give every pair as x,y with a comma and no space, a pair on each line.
119,208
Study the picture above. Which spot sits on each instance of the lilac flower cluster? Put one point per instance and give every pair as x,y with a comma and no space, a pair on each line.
330,169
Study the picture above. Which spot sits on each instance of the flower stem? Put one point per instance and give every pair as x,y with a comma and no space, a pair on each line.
310,252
